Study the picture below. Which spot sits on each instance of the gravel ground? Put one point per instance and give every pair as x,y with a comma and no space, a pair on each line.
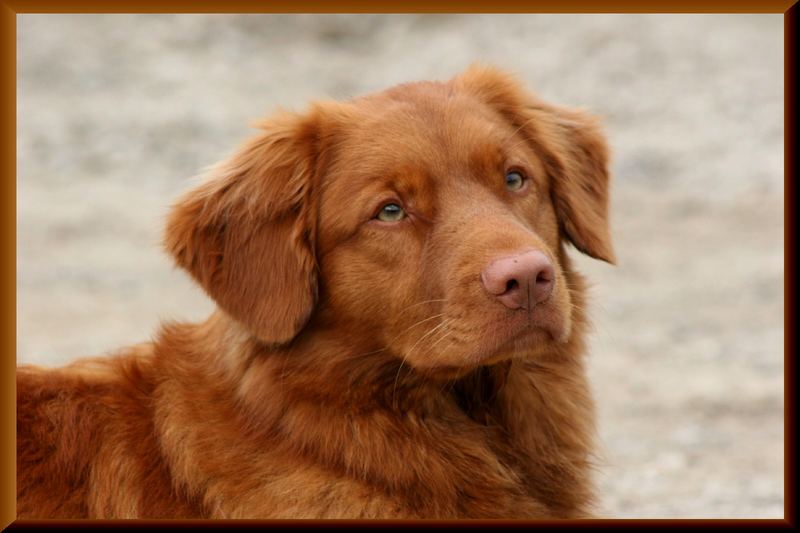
116,112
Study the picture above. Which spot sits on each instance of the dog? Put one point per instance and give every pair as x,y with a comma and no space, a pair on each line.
399,331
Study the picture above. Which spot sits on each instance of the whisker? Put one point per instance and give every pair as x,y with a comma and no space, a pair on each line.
430,332
399,368
524,124
447,333
578,307
351,357
515,145
422,303
402,362
417,324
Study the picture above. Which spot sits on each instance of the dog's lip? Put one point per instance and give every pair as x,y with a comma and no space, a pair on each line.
520,340
541,319
525,335
516,343
513,335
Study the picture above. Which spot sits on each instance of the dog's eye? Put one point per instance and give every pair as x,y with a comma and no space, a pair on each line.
391,213
514,180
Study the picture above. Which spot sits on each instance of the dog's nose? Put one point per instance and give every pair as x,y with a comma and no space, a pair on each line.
521,280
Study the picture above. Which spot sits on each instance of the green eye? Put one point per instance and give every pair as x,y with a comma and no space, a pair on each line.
514,180
391,213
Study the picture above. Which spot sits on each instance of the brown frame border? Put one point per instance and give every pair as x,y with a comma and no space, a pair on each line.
395,6
8,100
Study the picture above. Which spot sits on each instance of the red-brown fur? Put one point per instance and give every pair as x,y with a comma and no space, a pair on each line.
354,368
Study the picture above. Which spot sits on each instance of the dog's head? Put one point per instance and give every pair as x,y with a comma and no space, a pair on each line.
428,218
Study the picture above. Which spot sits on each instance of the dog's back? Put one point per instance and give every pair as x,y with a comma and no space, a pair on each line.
85,432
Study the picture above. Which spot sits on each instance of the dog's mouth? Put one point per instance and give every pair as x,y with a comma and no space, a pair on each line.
518,344
521,335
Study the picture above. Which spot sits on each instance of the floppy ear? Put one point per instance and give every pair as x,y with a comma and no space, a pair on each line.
573,149
578,161
246,235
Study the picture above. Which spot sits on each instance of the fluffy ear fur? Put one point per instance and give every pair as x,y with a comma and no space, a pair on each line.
247,233
574,151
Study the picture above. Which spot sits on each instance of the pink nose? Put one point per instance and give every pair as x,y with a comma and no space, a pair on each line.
520,281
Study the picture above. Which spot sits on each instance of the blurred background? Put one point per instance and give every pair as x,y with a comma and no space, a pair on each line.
117,112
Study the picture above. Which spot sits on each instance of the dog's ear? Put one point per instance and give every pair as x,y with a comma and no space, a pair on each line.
576,155
572,147
246,234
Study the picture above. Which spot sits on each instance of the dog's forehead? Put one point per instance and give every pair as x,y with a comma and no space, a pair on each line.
426,128
429,115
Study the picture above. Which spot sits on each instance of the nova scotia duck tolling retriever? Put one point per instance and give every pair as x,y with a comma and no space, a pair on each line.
398,332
